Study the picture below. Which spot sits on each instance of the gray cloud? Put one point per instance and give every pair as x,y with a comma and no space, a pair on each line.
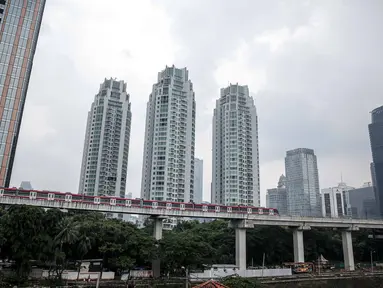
321,82
313,66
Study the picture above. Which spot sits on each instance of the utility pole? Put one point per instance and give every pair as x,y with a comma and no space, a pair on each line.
372,262
98,280
263,263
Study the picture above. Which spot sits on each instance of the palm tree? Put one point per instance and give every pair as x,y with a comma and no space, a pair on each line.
83,246
69,233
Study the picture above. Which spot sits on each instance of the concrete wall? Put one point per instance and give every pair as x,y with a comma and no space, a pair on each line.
72,275
218,273
329,283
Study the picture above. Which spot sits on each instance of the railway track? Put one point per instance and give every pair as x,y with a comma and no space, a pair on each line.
322,276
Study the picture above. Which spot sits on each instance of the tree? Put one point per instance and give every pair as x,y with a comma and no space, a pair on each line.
53,239
275,242
23,237
83,247
184,250
69,234
239,282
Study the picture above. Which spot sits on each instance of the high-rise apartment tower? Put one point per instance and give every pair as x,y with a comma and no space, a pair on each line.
302,183
106,147
198,180
168,160
235,175
20,22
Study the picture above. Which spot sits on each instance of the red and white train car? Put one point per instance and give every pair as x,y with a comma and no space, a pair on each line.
139,203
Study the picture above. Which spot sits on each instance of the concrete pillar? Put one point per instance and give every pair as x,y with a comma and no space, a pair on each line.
157,234
240,248
299,249
240,227
348,253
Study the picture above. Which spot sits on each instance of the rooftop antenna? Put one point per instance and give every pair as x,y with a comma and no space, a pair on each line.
341,177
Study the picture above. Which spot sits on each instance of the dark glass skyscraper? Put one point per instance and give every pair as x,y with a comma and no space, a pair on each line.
376,139
302,183
20,22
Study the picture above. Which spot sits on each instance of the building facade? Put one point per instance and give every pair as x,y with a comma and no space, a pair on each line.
277,197
235,173
302,183
26,185
168,162
335,201
20,22
106,146
198,180
376,140
362,202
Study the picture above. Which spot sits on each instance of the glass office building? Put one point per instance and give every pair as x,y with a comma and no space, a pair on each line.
20,22
302,183
375,130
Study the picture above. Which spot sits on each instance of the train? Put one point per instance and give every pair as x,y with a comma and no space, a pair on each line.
137,202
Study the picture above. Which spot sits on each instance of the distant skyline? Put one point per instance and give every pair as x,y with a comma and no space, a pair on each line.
314,69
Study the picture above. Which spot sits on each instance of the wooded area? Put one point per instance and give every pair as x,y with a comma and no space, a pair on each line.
55,239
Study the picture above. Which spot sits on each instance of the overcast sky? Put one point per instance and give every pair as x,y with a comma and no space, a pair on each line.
315,69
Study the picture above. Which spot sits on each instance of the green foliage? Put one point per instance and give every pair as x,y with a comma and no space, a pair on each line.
55,241
184,249
23,235
239,282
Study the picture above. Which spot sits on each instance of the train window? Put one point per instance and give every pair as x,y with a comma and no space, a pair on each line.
182,206
128,203
112,202
260,211
51,196
154,205
96,200
168,206
204,208
1,192
229,209
32,195
217,208
249,211
271,212
68,198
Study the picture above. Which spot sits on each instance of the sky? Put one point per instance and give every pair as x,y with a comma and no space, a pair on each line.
314,68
